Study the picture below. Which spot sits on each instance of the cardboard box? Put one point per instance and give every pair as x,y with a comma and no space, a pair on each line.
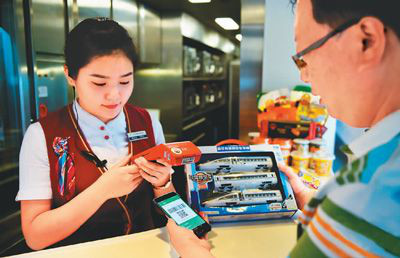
235,183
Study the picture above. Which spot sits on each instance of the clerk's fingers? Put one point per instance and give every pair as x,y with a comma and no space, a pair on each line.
134,183
131,169
163,162
149,167
168,167
122,162
135,175
137,180
151,179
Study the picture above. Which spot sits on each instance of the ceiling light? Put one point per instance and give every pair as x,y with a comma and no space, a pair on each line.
227,23
199,1
238,37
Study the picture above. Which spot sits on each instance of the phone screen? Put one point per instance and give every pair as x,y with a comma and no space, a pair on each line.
180,212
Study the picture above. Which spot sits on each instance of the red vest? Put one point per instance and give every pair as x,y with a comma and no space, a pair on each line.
118,216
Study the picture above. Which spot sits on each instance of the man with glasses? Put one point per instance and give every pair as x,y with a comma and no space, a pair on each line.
349,51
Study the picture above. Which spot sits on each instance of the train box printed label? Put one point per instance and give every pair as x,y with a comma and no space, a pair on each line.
235,183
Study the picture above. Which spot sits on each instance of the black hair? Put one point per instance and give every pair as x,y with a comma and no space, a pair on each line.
95,37
337,12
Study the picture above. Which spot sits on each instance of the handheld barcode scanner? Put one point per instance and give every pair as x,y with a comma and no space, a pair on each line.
175,153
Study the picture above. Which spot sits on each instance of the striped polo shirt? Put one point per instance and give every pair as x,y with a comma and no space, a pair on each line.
357,213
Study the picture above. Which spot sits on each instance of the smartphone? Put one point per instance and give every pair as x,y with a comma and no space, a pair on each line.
175,208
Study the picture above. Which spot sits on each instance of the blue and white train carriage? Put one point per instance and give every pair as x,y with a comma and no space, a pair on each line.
237,164
245,197
240,181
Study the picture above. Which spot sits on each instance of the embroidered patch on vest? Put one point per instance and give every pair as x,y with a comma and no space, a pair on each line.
65,168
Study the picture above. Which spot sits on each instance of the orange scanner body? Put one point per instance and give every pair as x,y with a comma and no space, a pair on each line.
175,153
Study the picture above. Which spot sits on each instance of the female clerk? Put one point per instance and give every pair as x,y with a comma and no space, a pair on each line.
67,194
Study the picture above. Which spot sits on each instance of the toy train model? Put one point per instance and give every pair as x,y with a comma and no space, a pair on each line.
240,181
236,164
245,197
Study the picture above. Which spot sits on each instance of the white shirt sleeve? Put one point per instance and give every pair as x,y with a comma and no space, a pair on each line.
34,168
157,129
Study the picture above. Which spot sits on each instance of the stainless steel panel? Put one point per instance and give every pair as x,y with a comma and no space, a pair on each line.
192,28
22,62
9,109
13,82
10,120
125,12
52,88
233,99
72,14
90,8
149,36
251,54
160,86
48,26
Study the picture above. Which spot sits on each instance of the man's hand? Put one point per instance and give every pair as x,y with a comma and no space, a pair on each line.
186,243
302,194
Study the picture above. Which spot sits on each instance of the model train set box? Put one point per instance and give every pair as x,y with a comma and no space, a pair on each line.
234,183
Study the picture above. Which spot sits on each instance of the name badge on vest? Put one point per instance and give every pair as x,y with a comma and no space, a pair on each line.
137,136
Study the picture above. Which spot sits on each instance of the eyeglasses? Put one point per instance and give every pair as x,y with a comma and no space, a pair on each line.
298,58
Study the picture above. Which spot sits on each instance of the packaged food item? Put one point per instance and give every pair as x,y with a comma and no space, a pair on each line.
300,160
317,144
295,114
255,138
311,163
266,100
318,113
285,144
309,179
285,156
321,163
253,135
301,145
303,107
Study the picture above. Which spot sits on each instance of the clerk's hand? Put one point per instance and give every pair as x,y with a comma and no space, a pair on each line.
302,194
156,174
186,243
121,179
